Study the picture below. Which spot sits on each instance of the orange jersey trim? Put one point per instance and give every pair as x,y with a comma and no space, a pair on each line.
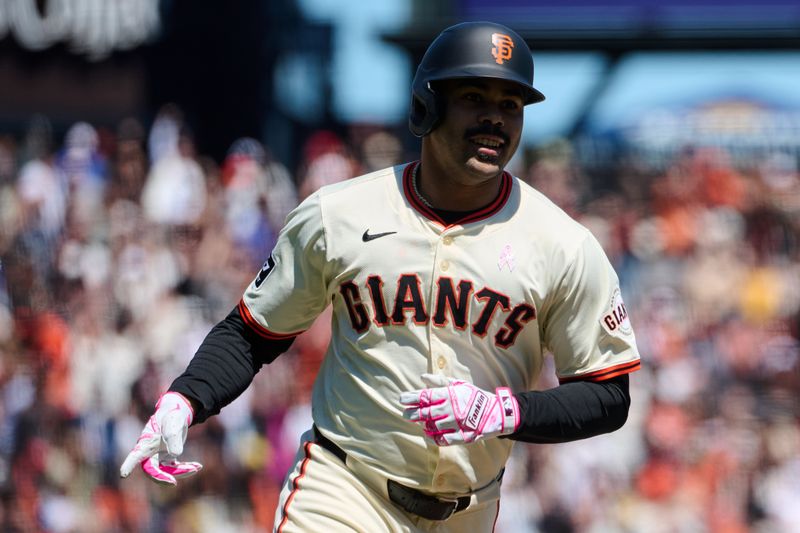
253,324
295,486
496,516
605,373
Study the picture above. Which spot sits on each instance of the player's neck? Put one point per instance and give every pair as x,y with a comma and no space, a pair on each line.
453,190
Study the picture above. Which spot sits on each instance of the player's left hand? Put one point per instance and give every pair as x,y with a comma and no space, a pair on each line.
452,411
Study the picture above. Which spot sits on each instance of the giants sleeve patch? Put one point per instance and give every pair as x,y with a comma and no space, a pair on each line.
266,268
616,321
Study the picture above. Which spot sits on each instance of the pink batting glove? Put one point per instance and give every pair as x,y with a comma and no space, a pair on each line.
161,442
453,411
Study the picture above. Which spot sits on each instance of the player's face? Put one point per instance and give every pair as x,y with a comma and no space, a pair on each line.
481,127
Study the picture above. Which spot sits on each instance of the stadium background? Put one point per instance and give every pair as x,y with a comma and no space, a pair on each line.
150,149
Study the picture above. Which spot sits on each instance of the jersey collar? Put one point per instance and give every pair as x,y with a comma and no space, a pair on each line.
473,216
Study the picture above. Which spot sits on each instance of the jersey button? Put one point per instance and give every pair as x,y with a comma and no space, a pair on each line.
441,362
445,265
447,241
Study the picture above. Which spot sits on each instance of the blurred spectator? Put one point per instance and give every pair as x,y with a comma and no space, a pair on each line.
84,171
130,162
326,160
259,193
42,194
555,174
380,149
175,190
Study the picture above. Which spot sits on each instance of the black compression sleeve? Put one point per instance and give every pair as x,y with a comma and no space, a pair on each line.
573,411
225,364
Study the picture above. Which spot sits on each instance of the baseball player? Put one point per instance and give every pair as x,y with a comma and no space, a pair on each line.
449,280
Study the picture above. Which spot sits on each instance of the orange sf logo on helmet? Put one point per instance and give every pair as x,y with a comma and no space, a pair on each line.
503,46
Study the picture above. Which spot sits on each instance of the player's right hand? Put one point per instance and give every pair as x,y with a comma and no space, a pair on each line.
453,411
161,442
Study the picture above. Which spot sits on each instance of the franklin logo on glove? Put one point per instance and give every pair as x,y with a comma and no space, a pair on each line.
477,411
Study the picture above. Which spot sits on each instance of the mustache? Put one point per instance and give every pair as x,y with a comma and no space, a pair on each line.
487,129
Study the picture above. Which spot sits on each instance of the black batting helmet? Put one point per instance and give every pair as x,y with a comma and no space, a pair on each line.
469,50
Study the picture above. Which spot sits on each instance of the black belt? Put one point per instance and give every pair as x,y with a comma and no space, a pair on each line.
412,500
326,443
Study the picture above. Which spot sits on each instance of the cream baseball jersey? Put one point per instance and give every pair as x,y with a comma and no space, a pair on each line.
482,300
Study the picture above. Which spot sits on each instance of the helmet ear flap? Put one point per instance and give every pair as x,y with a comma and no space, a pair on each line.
425,112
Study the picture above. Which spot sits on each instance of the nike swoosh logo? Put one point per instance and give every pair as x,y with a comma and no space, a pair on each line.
367,237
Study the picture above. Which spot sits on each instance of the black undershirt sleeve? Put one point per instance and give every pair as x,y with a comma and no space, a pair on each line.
573,411
225,364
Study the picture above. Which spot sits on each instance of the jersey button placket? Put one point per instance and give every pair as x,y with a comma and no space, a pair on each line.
439,360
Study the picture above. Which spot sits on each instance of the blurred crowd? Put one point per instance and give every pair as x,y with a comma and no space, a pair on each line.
120,248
